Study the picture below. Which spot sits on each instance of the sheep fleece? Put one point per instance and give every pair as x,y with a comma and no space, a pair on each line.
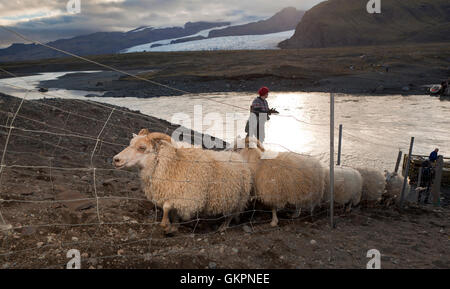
197,181
348,184
289,178
374,183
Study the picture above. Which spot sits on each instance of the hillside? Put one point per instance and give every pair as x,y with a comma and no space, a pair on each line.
286,19
346,23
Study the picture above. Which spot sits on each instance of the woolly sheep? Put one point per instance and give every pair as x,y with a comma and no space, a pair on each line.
348,184
374,184
192,181
283,178
394,185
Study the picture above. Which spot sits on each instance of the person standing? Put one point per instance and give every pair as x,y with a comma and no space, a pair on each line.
259,115
434,155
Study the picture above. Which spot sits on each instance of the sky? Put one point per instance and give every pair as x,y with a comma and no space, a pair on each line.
49,19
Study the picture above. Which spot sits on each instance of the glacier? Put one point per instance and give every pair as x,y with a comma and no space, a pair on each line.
244,42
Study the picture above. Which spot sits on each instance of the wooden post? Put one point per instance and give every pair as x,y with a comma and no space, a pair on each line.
436,187
405,180
419,178
340,145
332,160
399,159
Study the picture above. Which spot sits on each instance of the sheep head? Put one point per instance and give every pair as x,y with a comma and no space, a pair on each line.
143,147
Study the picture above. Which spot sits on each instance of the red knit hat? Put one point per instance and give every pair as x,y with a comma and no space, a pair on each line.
263,91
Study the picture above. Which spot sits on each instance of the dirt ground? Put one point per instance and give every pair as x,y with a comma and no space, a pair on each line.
55,201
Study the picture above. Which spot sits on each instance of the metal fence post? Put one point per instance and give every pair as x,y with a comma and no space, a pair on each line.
332,160
399,159
405,180
340,145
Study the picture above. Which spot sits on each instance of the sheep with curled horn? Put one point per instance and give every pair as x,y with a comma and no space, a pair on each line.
192,181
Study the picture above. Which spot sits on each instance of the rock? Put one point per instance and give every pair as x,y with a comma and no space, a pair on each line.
75,239
27,231
212,265
247,229
5,227
313,242
120,252
5,266
235,250
40,244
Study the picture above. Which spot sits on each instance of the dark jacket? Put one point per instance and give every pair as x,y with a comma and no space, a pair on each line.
433,156
260,105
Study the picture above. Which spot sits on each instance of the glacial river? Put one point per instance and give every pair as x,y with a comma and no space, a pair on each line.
375,127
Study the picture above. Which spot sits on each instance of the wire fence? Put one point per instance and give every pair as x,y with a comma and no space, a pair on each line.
57,184
101,203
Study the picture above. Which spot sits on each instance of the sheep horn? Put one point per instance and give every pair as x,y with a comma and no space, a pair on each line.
156,137
144,131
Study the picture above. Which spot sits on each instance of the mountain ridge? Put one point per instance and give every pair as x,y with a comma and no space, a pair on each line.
337,23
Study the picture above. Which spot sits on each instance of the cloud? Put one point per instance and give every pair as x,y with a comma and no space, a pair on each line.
50,20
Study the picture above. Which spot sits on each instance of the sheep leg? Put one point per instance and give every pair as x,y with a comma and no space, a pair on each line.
274,222
225,224
297,213
165,222
349,208
237,219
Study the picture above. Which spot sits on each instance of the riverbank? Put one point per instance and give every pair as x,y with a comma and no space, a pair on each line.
357,70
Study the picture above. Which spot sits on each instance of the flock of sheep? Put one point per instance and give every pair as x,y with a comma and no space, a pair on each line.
189,182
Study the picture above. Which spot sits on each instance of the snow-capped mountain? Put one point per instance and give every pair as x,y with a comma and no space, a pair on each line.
262,34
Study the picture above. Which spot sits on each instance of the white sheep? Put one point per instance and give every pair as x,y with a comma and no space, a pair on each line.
348,184
283,178
374,184
394,185
192,181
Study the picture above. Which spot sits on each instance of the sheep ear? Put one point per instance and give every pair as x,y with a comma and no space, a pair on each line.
144,131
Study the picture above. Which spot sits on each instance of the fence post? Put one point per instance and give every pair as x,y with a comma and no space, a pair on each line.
419,178
436,187
399,159
332,160
405,180
340,145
